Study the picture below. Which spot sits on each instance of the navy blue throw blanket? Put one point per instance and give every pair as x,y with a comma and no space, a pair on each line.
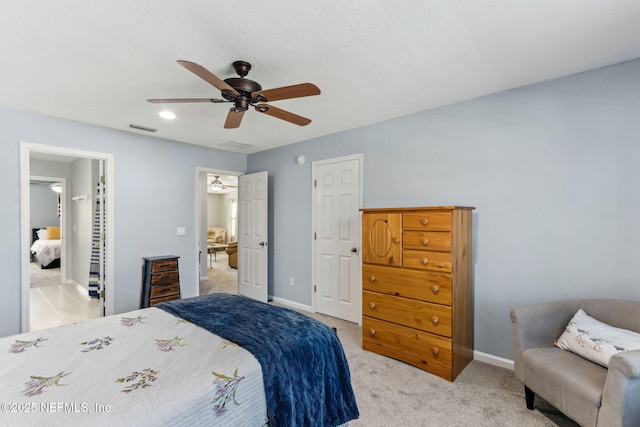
306,375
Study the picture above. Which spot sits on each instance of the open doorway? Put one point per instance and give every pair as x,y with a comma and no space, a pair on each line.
219,232
66,286
54,297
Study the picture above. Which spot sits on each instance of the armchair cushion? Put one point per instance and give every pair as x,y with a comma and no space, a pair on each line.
595,340
232,251
216,235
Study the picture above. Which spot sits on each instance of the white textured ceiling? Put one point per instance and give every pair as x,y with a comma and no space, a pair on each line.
98,61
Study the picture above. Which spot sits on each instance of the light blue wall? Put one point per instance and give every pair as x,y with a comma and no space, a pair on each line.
554,173
155,185
44,202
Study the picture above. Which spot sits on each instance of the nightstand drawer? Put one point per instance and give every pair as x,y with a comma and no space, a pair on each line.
163,299
159,291
164,265
427,240
162,278
421,285
426,220
421,315
427,260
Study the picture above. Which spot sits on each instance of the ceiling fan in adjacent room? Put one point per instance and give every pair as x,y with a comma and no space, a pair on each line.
245,93
217,185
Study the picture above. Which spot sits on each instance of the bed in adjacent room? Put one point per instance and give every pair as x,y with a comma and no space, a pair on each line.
46,247
219,359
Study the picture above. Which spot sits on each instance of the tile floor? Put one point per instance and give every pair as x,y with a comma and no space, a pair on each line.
57,305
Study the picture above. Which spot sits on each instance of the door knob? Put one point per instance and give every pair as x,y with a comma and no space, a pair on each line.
354,250
263,244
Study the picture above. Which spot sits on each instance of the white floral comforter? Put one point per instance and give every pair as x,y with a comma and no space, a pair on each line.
142,368
46,251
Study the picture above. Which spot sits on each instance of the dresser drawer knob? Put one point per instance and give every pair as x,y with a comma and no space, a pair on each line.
435,289
396,240
425,242
435,351
425,261
372,279
372,305
372,332
435,320
424,221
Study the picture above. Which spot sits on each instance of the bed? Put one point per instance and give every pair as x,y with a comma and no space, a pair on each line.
46,246
218,359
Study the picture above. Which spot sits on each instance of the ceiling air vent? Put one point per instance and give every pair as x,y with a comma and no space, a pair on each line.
144,128
235,146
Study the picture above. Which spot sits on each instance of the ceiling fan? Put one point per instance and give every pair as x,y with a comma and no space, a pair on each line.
245,93
217,185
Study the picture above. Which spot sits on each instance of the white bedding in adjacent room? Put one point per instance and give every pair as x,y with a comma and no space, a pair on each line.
46,250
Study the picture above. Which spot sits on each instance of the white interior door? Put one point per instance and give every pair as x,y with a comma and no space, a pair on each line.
337,264
252,235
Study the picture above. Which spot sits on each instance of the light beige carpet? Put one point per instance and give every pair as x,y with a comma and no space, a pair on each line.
221,277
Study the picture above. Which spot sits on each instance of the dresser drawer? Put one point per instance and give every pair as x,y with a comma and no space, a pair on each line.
427,240
159,291
427,220
164,265
427,260
163,299
162,278
421,285
421,315
432,348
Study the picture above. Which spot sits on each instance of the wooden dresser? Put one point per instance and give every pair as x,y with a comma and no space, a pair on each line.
160,280
417,286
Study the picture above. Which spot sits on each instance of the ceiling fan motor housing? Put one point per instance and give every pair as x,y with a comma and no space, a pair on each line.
245,87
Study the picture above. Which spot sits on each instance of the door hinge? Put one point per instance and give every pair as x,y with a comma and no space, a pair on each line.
315,182
102,294
314,236
314,288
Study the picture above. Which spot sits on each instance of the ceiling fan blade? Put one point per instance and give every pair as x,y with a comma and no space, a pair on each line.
282,114
173,100
207,76
233,119
288,92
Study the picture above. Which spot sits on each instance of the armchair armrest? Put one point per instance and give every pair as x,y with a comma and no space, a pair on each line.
539,325
621,393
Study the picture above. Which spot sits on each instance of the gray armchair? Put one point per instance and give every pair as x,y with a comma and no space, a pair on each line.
588,393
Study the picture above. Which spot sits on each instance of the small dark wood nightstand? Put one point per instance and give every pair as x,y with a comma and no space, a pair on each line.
160,280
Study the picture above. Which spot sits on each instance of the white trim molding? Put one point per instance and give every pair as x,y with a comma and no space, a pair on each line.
493,360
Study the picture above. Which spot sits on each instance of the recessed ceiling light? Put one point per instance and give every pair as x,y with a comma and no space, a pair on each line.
167,115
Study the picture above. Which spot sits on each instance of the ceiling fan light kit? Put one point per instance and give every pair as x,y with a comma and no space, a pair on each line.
245,93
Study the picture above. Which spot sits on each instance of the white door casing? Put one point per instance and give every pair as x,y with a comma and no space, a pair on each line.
337,198
25,149
252,235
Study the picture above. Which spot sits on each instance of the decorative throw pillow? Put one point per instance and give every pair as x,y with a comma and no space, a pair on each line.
53,233
42,234
594,340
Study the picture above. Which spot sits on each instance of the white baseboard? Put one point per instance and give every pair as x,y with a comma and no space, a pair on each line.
493,360
82,289
204,278
292,304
